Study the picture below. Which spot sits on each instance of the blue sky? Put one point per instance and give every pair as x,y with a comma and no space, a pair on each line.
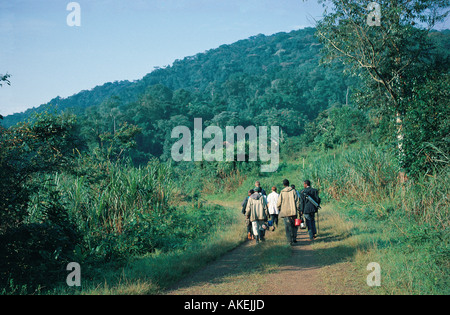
122,40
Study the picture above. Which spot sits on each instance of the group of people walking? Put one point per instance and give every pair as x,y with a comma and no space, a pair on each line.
262,210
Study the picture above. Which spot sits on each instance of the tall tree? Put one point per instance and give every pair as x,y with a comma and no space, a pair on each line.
386,44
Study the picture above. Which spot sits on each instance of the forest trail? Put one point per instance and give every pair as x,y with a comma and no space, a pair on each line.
299,274
269,268
239,272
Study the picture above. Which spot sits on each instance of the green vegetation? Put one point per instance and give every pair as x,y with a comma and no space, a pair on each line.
94,212
400,66
402,227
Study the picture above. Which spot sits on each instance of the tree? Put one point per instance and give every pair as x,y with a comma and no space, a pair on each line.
336,126
427,127
391,59
44,145
35,251
120,142
5,78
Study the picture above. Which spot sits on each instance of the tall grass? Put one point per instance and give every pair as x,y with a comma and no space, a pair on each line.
403,226
427,199
119,197
115,209
369,174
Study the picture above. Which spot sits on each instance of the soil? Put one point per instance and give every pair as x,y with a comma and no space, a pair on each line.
299,274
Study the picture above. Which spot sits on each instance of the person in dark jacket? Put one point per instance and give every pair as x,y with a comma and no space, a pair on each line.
308,209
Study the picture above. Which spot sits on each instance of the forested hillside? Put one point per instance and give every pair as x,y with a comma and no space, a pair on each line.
263,80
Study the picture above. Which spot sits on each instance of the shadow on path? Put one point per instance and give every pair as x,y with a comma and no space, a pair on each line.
241,272
298,275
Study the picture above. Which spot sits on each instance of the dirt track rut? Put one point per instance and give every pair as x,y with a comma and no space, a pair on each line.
296,275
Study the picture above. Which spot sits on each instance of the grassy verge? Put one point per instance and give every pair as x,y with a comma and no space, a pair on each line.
339,248
412,261
154,272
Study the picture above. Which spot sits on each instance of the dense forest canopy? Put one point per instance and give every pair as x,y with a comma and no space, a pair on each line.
275,80
262,80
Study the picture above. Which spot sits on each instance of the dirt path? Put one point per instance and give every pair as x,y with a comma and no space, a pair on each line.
297,273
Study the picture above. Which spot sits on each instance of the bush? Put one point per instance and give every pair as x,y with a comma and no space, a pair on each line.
36,254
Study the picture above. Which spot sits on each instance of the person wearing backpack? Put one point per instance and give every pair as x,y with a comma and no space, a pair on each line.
257,212
308,209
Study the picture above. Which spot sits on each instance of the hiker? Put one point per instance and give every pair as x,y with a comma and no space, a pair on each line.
272,200
298,194
256,211
288,205
260,191
247,221
308,209
258,184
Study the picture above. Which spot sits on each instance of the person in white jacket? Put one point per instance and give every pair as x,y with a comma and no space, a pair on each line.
272,200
